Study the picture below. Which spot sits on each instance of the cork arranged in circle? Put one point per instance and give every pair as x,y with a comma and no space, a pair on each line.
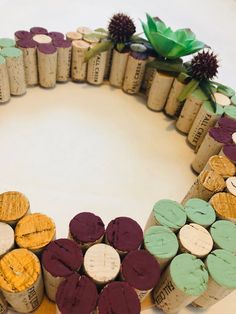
195,239
223,233
7,238
142,272
101,263
124,234
182,282
76,294
162,243
119,298
167,213
224,205
35,231
200,212
86,229
13,206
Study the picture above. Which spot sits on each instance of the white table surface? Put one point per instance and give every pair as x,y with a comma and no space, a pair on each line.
84,148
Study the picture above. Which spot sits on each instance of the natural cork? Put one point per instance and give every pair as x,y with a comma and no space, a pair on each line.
35,231
13,206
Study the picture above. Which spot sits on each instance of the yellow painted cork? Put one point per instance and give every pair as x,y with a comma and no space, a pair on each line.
147,303
225,206
19,270
212,181
221,165
13,206
35,231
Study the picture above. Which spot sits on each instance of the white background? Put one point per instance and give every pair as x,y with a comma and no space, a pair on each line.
82,148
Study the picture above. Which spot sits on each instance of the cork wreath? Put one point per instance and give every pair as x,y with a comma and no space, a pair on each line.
186,254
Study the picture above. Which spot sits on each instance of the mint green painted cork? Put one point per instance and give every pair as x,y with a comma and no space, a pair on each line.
200,212
223,233
230,111
233,100
162,243
11,52
199,94
208,107
7,42
221,266
189,274
2,60
170,214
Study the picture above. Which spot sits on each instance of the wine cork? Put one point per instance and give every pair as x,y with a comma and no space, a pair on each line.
227,123
91,38
190,110
141,271
46,306
101,263
225,206
229,151
173,105
108,63
119,298
15,68
84,30
182,282
73,36
78,66
135,69
96,68
60,259
221,165
47,65
38,30
205,186
118,67
76,294
234,138
223,233
162,243
167,213
86,229
196,240
35,232
22,34
124,234
13,206
222,281
28,47
233,100
56,36
21,280
42,39
230,112
7,43
7,239
4,82
210,146
205,119
159,91
3,305
231,185
148,75
221,99
200,212
63,59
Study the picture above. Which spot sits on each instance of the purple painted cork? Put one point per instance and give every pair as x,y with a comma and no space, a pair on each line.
62,43
47,48
26,43
56,35
227,124
38,30
119,298
124,234
86,229
62,258
229,151
77,294
141,270
21,34
221,135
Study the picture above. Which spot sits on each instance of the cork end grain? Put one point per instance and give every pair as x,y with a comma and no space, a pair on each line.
224,205
222,165
13,206
35,231
212,181
19,270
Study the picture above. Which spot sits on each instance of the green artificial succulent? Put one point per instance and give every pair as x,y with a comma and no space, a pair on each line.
170,44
